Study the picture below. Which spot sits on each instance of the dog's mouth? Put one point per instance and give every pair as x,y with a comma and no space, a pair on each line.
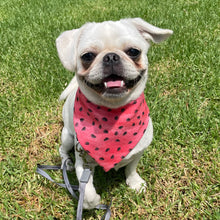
114,84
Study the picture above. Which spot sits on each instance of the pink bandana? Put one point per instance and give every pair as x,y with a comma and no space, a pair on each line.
108,135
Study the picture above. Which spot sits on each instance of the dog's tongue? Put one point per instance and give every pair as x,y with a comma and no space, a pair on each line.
114,84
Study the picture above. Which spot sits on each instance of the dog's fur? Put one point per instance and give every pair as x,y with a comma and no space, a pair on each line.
83,51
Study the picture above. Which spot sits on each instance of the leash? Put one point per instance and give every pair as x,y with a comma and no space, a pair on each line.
71,188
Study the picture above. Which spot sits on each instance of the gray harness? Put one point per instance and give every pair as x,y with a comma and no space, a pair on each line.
72,188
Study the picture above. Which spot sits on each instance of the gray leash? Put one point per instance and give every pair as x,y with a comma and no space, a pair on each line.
81,188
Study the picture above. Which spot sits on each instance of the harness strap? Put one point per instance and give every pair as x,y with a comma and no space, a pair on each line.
41,168
81,188
82,185
69,187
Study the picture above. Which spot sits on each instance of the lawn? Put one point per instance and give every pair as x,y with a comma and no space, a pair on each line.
181,166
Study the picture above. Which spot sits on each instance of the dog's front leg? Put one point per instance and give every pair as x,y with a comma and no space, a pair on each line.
91,198
132,178
67,143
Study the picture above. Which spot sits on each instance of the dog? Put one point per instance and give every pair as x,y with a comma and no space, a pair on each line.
106,118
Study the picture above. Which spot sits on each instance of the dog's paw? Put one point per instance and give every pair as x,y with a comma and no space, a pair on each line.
91,203
136,182
69,164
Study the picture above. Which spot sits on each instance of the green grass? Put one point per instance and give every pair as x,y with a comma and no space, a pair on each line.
182,164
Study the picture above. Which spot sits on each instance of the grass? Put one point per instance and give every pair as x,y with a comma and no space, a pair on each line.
182,164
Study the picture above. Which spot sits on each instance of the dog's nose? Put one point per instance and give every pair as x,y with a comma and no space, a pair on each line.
111,59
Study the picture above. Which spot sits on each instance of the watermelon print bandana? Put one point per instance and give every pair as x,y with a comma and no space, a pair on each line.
108,135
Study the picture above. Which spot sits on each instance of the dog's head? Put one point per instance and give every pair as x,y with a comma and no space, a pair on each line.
109,58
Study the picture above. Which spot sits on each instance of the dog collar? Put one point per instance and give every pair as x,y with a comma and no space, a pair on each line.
108,135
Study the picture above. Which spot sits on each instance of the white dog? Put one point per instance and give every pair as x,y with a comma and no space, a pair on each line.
105,115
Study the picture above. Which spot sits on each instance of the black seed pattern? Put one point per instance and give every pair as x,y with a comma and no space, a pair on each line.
106,139
107,149
135,133
100,126
112,157
118,149
104,119
81,119
90,110
128,119
87,143
96,148
125,133
76,124
116,133
140,122
93,136
80,109
117,140
101,158
116,117
120,127
129,142
133,124
93,123
105,131
122,110
139,117
122,157
84,128
136,111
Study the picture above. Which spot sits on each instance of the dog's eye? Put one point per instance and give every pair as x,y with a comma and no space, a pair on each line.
88,57
133,53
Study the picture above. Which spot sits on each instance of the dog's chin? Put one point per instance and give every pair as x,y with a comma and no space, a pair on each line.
113,86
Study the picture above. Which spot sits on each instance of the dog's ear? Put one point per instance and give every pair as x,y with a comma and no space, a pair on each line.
66,47
150,32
